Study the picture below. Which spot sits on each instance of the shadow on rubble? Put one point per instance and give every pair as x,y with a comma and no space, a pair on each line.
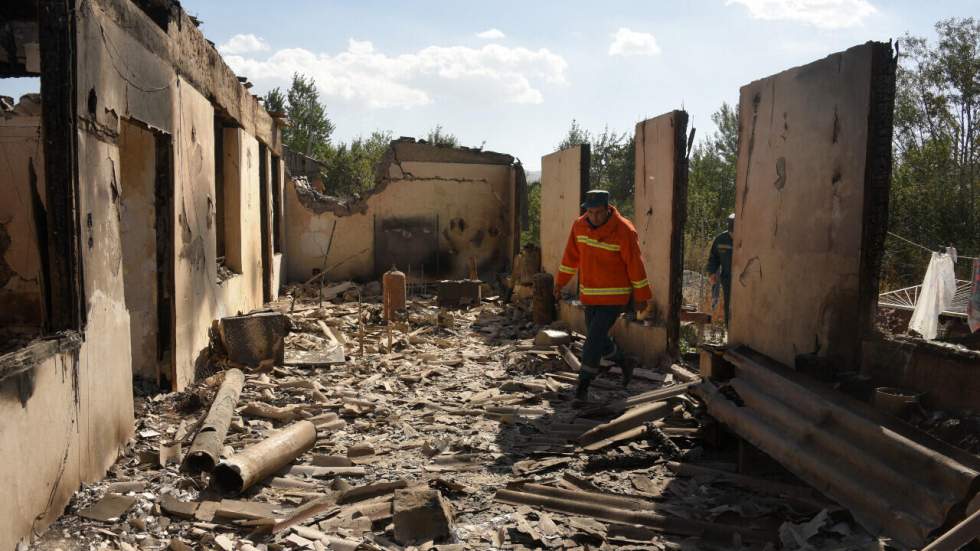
571,458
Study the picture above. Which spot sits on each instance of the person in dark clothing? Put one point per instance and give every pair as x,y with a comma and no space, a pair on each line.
719,266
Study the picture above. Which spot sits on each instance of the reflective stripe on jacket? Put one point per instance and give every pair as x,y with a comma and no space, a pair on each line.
607,260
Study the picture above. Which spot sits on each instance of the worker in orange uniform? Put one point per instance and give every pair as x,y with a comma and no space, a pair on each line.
604,250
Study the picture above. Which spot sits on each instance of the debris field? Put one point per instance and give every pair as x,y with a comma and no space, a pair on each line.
450,429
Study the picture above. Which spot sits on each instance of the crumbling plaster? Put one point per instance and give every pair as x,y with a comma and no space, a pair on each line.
473,203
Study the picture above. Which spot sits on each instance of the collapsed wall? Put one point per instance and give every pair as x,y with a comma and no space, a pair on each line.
431,211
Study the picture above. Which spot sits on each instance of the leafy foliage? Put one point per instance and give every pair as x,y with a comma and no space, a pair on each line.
438,136
532,233
351,167
936,171
309,127
612,162
711,187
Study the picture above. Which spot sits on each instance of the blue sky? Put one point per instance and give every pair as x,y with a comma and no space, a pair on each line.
407,66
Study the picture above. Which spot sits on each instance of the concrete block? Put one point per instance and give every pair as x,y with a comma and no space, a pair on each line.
253,338
421,515
463,292
551,337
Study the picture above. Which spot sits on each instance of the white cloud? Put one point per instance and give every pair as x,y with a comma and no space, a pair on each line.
827,14
243,44
491,34
360,74
626,42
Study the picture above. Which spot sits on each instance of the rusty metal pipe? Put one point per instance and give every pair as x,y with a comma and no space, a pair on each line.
253,464
207,445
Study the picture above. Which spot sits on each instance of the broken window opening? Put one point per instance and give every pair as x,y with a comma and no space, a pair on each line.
264,222
40,277
145,194
226,201
276,205
22,223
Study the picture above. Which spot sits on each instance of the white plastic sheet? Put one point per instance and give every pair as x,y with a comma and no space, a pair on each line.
935,296
973,307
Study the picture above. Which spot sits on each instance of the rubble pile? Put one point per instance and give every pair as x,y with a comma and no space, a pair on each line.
451,429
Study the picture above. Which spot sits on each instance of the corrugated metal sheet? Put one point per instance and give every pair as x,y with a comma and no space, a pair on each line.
896,480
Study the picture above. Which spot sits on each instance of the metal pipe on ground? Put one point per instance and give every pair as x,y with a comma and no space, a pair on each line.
671,525
207,445
253,464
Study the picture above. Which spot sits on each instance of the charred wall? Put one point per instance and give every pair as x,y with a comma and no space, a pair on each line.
661,209
433,209
811,206
122,91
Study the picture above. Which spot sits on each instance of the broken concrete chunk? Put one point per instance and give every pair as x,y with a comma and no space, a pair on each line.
360,450
421,515
177,508
224,542
551,337
254,338
109,508
124,487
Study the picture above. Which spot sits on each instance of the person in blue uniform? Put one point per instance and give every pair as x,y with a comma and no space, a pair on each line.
719,266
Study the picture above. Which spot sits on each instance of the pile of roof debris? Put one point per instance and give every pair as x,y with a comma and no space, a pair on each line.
324,427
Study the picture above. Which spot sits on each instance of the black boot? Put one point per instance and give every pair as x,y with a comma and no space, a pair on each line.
582,392
627,374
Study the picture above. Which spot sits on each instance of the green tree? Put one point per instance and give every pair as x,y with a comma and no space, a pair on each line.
532,233
309,126
438,136
711,186
351,168
612,162
936,170
274,101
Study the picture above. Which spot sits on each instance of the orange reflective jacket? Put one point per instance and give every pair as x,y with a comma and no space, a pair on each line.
607,260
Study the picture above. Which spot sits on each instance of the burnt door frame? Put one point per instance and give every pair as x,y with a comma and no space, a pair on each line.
264,222
165,230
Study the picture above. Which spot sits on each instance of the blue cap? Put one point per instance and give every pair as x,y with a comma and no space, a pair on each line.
596,198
